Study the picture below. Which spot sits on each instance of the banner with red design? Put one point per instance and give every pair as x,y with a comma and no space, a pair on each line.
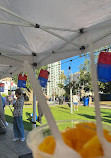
22,80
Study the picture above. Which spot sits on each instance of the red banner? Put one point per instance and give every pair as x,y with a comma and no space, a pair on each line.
23,78
2,85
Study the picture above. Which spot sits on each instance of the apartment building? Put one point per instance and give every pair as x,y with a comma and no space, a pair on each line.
52,89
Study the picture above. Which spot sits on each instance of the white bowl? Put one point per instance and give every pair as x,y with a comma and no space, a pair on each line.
36,136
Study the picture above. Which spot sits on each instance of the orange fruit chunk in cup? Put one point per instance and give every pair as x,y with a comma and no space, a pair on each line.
82,138
48,145
85,131
92,148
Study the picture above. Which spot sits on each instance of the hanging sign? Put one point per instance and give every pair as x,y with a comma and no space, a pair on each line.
104,67
22,80
43,77
2,85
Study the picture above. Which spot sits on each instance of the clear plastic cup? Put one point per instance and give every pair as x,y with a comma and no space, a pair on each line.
36,136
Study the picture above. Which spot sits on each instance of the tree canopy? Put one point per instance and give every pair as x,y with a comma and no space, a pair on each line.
85,76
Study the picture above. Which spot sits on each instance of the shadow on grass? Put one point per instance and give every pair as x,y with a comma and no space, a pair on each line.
93,118
29,117
27,125
106,116
106,113
106,120
68,112
87,116
63,108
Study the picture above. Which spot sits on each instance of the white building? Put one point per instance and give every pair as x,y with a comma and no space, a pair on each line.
8,85
75,77
54,78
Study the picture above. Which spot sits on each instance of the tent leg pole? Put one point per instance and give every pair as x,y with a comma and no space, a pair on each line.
42,101
34,106
96,95
97,105
71,105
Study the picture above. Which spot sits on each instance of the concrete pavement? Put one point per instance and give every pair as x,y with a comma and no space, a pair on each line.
104,106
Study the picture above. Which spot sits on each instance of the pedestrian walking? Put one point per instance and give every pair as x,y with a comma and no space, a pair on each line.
75,101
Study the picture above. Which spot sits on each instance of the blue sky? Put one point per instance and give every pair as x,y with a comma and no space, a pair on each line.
74,64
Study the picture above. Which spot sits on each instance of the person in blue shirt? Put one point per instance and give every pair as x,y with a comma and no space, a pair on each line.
2,116
3,102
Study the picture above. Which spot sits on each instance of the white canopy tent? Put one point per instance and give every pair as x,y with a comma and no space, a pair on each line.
53,30
43,32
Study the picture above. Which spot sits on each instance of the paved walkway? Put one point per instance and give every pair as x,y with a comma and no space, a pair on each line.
104,106
10,149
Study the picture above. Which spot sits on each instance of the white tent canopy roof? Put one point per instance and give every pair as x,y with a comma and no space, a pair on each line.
40,32
51,30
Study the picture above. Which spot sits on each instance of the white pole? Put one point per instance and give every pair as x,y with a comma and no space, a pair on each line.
105,144
10,87
34,106
71,105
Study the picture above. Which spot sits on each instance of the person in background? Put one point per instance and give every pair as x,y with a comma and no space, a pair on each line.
83,100
63,98
4,103
40,113
75,101
2,116
87,101
18,126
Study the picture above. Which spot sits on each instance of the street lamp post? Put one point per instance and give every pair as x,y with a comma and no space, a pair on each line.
71,105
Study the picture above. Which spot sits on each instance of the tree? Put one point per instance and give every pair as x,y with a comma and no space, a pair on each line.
62,76
105,87
85,76
66,86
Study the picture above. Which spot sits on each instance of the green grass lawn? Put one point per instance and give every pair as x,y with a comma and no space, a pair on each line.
61,112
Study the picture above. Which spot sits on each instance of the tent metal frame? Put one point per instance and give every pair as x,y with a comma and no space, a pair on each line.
45,28
82,32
